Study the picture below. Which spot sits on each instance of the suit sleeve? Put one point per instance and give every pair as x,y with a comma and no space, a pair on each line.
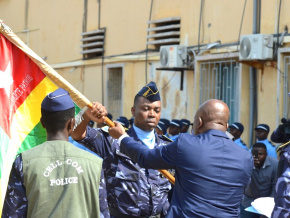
15,203
163,157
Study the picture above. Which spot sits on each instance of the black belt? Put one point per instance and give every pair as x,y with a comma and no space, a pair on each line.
117,214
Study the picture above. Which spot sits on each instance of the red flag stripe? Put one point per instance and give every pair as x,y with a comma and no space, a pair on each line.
26,76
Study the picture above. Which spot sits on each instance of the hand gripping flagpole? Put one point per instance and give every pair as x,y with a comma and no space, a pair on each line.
76,96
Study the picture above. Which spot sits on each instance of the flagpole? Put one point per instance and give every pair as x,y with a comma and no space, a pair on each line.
76,96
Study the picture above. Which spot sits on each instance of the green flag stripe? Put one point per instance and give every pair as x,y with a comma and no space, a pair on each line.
37,136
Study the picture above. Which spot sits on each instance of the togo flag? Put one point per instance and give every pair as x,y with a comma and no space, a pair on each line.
25,79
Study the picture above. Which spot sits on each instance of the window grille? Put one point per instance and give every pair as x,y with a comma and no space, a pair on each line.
219,80
286,85
114,90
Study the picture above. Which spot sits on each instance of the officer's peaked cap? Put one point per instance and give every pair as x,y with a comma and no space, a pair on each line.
124,121
185,122
264,127
176,123
237,126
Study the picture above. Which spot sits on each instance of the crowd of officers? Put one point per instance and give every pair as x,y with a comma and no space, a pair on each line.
219,179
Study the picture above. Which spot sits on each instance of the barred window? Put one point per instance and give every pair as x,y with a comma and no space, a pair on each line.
219,80
114,91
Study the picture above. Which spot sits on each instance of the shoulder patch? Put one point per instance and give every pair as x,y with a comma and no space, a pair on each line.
165,138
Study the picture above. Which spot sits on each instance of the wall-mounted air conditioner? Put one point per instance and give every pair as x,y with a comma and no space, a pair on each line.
173,56
256,47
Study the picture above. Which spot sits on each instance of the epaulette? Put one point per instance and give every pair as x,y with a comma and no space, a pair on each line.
283,146
165,138
243,142
272,144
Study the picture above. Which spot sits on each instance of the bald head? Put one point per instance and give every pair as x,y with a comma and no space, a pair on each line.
212,114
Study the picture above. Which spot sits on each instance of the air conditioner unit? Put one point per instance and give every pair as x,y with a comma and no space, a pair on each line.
256,47
173,56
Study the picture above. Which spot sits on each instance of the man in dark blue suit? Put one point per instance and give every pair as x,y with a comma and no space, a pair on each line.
211,171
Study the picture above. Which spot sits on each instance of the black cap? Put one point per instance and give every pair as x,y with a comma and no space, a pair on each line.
162,127
150,92
185,122
237,126
175,122
264,127
59,100
165,121
124,121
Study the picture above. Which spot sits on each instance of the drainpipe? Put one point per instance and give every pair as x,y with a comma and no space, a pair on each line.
253,78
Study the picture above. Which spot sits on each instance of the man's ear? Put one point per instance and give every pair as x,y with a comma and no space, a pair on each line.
70,125
133,111
227,125
200,123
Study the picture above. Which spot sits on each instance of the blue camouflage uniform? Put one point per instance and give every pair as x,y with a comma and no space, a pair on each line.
16,204
132,190
282,194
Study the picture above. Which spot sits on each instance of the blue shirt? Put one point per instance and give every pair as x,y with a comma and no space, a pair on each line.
271,149
241,144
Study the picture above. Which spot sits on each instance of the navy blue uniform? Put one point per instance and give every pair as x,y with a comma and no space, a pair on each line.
211,172
131,190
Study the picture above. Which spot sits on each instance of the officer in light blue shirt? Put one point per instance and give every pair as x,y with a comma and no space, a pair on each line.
262,131
236,129
174,129
185,125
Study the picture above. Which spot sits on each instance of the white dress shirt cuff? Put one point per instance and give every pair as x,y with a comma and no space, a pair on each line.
121,137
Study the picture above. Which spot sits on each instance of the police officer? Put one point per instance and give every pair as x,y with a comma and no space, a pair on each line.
133,191
160,128
174,129
237,129
55,178
211,172
185,125
282,190
262,131
124,121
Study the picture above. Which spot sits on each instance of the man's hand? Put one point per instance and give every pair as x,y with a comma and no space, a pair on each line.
117,131
97,113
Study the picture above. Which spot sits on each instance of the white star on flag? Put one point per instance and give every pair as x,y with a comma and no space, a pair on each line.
6,79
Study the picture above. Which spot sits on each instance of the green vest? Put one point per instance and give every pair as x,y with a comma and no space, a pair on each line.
61,180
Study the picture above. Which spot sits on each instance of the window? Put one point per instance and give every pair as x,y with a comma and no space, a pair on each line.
114,91
219,80
286,87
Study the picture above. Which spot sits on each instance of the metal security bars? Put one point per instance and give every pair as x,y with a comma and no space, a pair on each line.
114,91
219,80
